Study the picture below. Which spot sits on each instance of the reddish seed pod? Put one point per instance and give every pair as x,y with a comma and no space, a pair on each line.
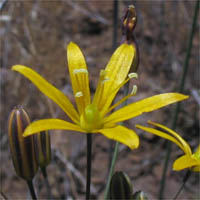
42,144
21,148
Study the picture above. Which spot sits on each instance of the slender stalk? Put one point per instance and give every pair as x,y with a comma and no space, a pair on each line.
179,191
186,177
175,116
89,164
114,44
129,37
116,150
31,189
44,173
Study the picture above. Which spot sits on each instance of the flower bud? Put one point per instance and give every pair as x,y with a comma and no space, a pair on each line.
139,196
22,149
42,144
129,22
128,25
120,186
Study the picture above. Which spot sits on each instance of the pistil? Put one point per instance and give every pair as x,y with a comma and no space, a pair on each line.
90,119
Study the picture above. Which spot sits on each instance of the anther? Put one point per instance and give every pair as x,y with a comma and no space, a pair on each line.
133,75
79,94
82,70
105,80
131,6
134,90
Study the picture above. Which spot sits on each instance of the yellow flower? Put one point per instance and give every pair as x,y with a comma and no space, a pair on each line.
188,160
92,116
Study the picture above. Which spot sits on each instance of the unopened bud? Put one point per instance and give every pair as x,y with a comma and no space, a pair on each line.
140,196
42,148
120,186
128,26
129,22
22,149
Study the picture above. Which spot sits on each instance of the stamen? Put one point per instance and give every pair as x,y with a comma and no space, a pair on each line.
133,75
134,90
82,70
105,80
130,76
79,94
131,6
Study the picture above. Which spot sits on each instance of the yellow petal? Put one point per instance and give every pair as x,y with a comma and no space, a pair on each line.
185,146
196,168
50,124
79,75
145,105
160,134
196,155
184,162
123,135
198,149
49,90
116,71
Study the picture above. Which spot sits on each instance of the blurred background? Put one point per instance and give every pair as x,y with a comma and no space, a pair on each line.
35,34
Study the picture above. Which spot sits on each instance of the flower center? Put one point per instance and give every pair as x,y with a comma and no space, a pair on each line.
91,119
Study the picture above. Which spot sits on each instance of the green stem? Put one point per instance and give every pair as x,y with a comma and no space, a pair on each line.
44,173
114,44
175,116
186,177
116,150
31,189
89,164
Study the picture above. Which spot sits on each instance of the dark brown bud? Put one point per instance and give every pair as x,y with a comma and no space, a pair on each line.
22,149
42,148
129,23
120,186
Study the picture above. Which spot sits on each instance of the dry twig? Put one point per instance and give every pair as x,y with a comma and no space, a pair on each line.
96,16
